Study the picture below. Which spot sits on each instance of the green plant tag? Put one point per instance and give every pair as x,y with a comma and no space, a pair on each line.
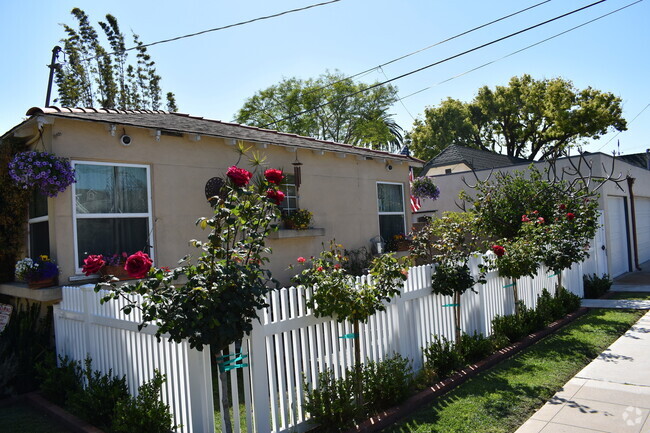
508,285
451,305
554,275
353,335
227,364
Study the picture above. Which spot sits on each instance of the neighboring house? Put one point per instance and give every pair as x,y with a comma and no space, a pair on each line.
456,158
615,200
141,179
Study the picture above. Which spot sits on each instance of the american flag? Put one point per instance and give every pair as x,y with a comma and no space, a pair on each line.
415,202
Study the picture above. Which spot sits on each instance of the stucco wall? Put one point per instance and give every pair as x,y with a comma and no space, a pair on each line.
340,191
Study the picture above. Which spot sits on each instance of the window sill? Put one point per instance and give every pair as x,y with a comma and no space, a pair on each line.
20,290
287,234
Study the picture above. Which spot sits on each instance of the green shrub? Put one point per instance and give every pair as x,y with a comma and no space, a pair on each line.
331,403
474,347
386,383
567,300
596,286
145,413
96,403
441,357
549,308
59,383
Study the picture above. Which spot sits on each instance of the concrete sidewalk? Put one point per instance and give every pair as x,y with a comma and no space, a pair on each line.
612,393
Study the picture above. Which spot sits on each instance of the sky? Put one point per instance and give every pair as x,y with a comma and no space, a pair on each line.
213,74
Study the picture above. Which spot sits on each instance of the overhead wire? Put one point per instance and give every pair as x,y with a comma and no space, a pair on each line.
522,49
241,23
619,132
494,41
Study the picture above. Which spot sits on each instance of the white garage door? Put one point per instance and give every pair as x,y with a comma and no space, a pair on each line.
642,206
617,247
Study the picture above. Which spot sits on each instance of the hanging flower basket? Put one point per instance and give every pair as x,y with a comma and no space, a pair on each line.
423,187
46,172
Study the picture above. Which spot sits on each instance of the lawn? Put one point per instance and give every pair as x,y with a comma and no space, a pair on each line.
503,398
21,417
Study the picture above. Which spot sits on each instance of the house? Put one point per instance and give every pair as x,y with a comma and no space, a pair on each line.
142,175
625,205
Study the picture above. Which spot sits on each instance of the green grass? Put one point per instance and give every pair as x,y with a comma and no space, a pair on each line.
503,398
21,417
636,296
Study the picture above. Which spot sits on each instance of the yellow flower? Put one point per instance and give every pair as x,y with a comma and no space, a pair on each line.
44,258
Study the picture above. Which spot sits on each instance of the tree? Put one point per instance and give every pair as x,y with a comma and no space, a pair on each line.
93,75
533,119
297,106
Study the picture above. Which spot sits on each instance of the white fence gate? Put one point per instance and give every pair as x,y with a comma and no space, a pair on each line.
288,344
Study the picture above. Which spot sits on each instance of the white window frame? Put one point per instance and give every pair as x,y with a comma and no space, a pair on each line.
30,221
284,188
403,212
147,215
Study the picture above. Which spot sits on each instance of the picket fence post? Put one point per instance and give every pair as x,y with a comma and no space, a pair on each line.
260,385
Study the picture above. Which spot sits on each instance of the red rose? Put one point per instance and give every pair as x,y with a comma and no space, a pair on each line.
498,250
276,196
320,269
570,216
337,266
562,206
274,176
301,260
92,264
138,265
239,176
524,218
540,220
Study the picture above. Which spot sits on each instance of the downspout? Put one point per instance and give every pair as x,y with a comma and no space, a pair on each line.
630,183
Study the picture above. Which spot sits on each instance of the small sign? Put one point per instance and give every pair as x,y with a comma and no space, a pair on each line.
5,315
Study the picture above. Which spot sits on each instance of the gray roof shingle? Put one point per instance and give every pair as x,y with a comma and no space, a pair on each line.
474,158
184,123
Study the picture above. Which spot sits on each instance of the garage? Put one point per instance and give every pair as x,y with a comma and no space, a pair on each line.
642,205
618,249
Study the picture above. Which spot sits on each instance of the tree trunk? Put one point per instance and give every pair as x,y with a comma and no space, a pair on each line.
357,364
515,293
559,282
457,316
225,395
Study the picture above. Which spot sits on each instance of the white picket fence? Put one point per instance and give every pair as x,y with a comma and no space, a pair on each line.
288,344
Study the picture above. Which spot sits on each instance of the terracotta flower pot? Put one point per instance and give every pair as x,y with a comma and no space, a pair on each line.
41,284
117,271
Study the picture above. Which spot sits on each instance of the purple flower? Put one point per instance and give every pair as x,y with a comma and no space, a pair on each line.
48,173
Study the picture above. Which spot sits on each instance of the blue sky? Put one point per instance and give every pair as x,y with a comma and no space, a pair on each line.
213,74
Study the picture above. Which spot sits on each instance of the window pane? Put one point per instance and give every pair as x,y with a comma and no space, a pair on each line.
39,239
391,225
110,236
108,189
390,198
37,205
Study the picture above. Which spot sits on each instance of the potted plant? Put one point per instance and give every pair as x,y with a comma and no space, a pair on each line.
46,172
37,273
398,242
299,219
423,187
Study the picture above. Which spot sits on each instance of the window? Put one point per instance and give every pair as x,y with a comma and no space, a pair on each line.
288,187
39,230
112,209
390,199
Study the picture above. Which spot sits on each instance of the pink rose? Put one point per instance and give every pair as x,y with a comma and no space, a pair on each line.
301,260
239,176
498,250
274,176
570,216
138,265
540,220
92,264
276,196
337,266
524,218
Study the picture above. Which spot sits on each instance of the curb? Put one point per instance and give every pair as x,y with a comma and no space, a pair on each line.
63,417
391,416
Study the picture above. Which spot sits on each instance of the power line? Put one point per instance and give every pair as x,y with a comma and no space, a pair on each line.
436,63
241,23
523,49
619,132
379,67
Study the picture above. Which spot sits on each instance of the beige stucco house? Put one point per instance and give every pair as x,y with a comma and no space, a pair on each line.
625,213
141,178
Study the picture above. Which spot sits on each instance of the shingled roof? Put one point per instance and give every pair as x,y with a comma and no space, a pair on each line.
186,124
638,159
475,159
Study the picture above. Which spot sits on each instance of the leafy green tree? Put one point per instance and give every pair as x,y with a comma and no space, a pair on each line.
214,299
528,118
449,242
93,75
297,106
